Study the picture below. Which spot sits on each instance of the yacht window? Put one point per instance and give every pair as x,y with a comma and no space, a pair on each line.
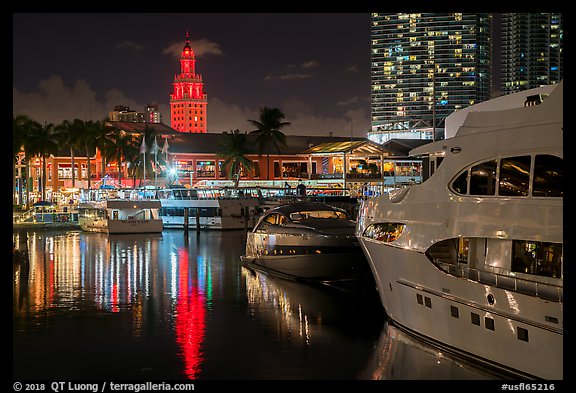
384,232
460,184
475,318
489,323
303,215
172,211
419,299
427,302
271,219
201,211
538,258
514,176
548,176
454,312
266,222
483,178
522,334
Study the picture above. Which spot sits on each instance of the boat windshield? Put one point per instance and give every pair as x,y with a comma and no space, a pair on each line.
307,214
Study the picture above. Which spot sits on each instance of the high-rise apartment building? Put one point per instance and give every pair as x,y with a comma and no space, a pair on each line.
152,114
124,113
532,54
188,101
424,67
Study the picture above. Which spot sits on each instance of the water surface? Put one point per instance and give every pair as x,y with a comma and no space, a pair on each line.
173,306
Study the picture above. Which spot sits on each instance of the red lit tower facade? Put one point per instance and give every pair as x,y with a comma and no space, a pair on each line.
188,101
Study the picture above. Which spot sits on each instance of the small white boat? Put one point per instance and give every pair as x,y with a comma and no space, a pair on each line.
207,208
306,241
116,215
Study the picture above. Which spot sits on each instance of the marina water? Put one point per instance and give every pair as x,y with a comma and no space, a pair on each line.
176,305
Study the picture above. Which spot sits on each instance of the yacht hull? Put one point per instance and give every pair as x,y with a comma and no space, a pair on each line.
120,216
316,267
457,314
121,226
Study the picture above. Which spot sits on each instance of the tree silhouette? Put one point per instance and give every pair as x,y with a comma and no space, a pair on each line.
268,134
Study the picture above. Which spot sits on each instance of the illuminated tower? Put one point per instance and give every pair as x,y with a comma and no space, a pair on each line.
188,100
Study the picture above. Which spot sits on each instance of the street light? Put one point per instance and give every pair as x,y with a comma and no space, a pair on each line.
172,172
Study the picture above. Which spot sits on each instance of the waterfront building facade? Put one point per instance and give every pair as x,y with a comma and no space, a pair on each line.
424,66
532,50
197,160
188,101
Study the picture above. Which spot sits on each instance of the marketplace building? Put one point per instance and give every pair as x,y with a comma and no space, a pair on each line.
196,160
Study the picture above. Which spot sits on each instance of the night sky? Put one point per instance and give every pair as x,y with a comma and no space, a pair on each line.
313,67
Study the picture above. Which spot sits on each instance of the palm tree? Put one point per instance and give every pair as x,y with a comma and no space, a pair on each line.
131,153
22,126
43,142
70,133
234,149
105,142
120,145
268,134
88,140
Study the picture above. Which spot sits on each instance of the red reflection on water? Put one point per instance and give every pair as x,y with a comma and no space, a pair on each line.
190,317
114,302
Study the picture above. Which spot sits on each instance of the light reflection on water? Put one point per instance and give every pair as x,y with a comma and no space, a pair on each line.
170,306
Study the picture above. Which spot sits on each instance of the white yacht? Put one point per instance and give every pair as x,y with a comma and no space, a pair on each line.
119,212
471,259
208,208
306,240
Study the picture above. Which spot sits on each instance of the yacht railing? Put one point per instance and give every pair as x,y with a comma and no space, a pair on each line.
96,195
538,289
45,217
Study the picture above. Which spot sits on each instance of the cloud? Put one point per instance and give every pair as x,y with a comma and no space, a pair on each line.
305,64
225,117
352,122
55,102
351,101
131,46
303,120
288,77
201,47
352,68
